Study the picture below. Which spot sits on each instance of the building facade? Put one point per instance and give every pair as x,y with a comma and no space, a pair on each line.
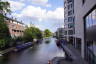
84,20
83,11
16,28
69,20
60,33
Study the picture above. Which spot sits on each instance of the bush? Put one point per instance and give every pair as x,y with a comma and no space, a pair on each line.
32,33
47,33
4,43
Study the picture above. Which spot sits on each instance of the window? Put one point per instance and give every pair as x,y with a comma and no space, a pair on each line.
70,25
73,11
70,32
65,32
69,6
70,19
70,12
83,1
91,19
14,30
17,30
90,35
69,1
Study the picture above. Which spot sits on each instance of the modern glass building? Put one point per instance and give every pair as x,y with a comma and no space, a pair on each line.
90,35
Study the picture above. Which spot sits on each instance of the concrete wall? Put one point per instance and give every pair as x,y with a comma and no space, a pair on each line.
81,10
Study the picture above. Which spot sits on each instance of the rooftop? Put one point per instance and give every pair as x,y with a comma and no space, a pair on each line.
14,20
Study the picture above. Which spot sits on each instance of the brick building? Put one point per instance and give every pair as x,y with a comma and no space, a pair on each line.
16,28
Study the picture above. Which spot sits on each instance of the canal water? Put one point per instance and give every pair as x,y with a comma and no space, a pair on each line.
39,54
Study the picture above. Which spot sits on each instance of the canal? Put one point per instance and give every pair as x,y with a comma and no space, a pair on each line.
39,54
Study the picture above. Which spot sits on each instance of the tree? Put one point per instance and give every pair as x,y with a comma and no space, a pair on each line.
47,33
4,31
4,8
32,33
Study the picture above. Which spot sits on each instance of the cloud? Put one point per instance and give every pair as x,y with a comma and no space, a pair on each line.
42,18
58,13
35,13
42,14
48,5
16,15
38,2
39,14
15,5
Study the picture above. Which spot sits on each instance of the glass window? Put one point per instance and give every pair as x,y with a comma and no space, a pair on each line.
69,1
70,25
83,1
90,31
70,32
91,19
69,6
65,32
87,25
14,30
17,30
94,17
70,12
70,19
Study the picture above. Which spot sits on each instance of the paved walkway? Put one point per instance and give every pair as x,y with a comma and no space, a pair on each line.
73,53
6,51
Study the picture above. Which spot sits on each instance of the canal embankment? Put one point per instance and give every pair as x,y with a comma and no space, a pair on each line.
19,47
37,54
72,56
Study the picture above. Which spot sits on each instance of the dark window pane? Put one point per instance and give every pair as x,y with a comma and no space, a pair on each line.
70,32
65,32
70,19
69,6
69,1
70,12
70,25
83,1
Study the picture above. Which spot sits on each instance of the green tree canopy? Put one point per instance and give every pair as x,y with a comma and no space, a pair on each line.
47,33
4,31
32,33
4,8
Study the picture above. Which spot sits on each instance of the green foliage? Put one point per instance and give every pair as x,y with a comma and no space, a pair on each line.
16,41
4,35
4,43
5,7
4,31
32,33
47,33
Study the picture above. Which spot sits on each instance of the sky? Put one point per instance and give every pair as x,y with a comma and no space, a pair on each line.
44,14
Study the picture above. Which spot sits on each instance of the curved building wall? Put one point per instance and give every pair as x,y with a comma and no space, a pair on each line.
81,9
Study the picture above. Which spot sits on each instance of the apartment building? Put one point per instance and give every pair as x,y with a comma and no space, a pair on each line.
84,27
69,20
16,28
60,33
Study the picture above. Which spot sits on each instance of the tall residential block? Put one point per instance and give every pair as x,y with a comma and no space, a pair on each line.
82,15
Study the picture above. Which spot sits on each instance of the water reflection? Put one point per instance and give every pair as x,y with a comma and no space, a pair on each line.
39,54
